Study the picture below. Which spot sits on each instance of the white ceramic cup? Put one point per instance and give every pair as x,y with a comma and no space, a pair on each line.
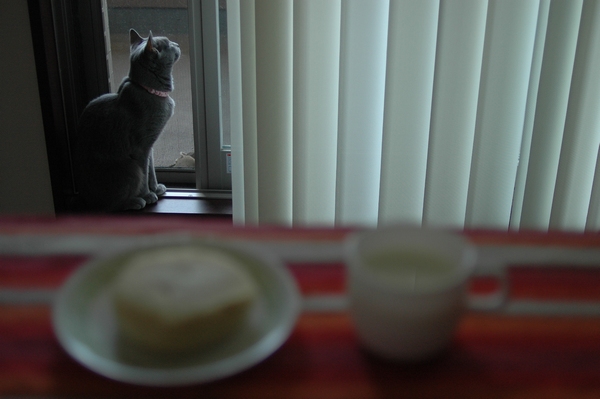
407,289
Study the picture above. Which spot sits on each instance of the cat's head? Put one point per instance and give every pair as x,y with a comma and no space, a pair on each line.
152,60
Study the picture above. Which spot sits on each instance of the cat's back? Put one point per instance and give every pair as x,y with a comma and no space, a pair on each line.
129,107
99,113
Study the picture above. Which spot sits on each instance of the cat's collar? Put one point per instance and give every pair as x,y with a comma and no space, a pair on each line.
156,92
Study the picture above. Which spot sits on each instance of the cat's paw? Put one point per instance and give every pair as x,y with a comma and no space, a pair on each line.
160,189
135,204
150,198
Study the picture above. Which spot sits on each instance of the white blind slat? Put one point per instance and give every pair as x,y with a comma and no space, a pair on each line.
316,70
551,110
274,88
408,99
245,193
582,129
532,93
364,31
593,216
506,72
456,88
234,47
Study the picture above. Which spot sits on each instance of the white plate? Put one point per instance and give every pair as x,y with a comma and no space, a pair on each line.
85,323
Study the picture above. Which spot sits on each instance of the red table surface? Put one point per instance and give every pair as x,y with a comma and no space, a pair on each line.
492,355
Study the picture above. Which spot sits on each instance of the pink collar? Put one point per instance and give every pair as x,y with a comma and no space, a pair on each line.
156,92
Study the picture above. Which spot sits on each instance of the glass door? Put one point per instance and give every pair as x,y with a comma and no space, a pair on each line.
191,151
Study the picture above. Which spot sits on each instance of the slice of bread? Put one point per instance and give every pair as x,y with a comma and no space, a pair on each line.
182,298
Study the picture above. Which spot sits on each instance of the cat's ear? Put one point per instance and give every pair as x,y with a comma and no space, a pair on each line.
134,38
149,47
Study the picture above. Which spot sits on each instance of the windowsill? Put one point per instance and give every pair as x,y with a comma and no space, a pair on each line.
192,202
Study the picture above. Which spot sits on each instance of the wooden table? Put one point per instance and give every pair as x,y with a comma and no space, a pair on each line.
544,343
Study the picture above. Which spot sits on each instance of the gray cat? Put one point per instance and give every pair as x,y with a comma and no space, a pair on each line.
113,159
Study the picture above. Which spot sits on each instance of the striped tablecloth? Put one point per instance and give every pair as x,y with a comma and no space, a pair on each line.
544,343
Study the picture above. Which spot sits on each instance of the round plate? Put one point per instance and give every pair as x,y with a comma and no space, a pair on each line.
85,323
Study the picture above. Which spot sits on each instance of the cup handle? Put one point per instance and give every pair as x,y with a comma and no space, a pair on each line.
495,299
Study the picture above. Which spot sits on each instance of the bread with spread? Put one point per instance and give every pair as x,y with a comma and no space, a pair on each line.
181,298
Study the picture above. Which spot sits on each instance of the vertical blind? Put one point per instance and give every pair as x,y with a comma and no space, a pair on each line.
450,113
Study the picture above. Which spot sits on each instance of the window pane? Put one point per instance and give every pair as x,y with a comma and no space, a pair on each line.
164,18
